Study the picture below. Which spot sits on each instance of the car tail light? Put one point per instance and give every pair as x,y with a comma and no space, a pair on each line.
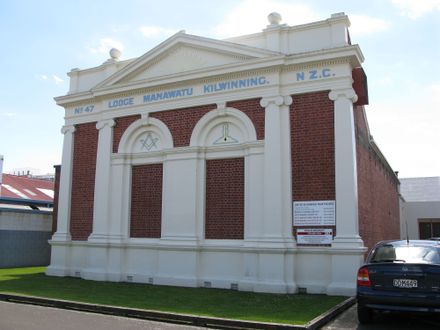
363,278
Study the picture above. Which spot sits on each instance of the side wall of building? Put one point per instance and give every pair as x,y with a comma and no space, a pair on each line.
377,189
24,238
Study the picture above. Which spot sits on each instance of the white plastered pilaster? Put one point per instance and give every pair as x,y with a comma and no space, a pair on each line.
64,197
277,173
347,227
101,203
347,241
59,260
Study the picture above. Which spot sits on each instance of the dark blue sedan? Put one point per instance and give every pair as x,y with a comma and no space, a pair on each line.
402,276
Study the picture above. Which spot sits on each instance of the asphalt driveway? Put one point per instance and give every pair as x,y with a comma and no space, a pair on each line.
348,320
30,317
15,316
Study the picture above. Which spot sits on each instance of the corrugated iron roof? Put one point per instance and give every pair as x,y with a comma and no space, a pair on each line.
14,186
425,189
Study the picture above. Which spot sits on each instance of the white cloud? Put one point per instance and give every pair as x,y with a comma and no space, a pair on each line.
362,25
105,44
57,79
416,8
156,31
53,78
251,16
8,114
435,89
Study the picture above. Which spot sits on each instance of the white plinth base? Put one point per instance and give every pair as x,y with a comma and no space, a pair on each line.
238,265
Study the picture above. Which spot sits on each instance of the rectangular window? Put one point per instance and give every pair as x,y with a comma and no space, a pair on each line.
435,229
146,201
429,228
224,217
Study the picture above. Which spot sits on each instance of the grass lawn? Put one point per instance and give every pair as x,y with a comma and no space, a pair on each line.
279,308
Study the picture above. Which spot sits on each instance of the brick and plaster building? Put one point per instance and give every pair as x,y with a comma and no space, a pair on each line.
243,163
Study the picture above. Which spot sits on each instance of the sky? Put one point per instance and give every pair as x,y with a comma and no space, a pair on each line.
43,40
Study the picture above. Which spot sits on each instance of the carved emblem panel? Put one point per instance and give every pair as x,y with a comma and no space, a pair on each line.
224,134
146,142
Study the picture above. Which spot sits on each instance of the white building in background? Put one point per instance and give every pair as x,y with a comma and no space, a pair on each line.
244,163
420,207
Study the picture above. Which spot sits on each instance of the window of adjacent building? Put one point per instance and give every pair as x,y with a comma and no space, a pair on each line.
429,228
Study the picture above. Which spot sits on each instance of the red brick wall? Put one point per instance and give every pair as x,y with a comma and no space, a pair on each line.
121,125
181,122
377,190
224,218
254,111
83,180
146,201
313,147
56,194
360,86
360,122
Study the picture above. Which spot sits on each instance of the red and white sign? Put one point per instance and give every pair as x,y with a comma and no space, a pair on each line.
314,236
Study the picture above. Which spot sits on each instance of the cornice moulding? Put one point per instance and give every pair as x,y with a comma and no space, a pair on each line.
100,67
73,98
352,54
300,27
196,75
348,54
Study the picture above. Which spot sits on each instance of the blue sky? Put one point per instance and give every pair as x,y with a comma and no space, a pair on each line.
42,40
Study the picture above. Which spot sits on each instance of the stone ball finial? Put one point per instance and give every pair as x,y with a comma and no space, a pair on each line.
274,18
115,54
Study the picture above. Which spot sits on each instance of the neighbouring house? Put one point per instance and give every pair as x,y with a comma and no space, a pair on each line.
25,221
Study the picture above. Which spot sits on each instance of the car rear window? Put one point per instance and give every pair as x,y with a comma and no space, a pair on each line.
410,254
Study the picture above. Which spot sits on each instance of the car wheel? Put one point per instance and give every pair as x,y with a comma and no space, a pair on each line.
365,315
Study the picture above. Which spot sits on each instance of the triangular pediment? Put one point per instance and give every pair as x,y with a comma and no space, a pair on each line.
184,58
183,53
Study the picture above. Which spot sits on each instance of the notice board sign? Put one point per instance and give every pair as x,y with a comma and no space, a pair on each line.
314,213
314,236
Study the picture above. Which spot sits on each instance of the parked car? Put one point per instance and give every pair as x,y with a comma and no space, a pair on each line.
401,276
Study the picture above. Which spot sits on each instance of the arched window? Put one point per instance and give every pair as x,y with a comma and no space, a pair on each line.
225,134
142,145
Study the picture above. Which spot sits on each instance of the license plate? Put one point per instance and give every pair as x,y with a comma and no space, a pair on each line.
405,283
